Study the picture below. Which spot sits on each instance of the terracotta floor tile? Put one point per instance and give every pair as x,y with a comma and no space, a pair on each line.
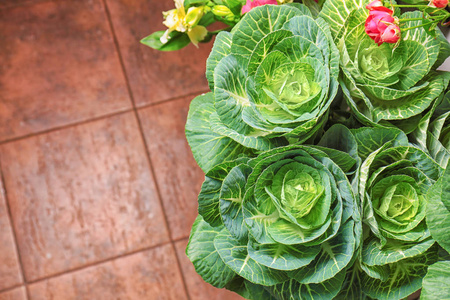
10,274
59,66
152,274
198,289
154,75
177,174
81,195
11,3
15,294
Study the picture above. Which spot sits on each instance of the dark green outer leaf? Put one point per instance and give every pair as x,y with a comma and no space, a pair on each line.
377,272
405,277
249,290
231,197
392,252
334,257
351,288
209,148
313,6
436,285
438,215
282,257
371,139
234,254
203,255
221,48
293,290
340,138
444,50
208,199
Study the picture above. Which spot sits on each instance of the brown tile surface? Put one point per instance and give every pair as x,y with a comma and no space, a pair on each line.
11,3
10,274
80,195
153,75
177,174
152,274
59,66
197,288
15,294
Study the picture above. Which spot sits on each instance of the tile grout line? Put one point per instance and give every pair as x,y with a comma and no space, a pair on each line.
94,119
13,230
193,94
147,150
96,263
93,264
11,288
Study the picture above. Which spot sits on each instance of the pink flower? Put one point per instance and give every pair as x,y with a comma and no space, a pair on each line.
439,3
391,34
378,22
252,4
374,4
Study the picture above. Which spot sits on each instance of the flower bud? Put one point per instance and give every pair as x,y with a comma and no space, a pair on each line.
221,11
193,16
439,3
285,1
391,34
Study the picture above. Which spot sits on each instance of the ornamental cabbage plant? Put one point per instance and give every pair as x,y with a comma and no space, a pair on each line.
297,205
396,184
387,84
273,78
284,225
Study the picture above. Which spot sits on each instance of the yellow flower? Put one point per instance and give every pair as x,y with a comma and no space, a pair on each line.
197,34
178,20
284,1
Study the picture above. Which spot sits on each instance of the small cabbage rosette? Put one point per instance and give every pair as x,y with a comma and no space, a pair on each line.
284,223
387,83
398,246
273,77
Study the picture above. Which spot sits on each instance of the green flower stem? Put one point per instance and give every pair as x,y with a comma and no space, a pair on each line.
404,5
410,19
418,26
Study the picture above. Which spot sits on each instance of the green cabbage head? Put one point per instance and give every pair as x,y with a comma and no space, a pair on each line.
273,79
390,83
284,224
394,188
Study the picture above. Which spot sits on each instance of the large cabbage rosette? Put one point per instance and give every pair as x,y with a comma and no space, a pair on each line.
273,79
387,83
394,187
283,225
